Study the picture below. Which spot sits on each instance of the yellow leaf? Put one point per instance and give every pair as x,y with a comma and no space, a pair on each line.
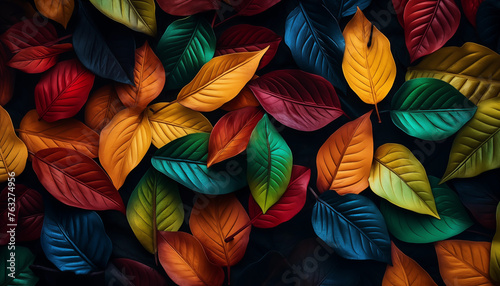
368,65
472,69
13,152
220,80
57,10
173,121
123,144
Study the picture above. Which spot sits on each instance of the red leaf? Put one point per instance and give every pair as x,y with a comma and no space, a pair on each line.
62,91
297,99
399,7
428,25
139,274
76,180
231,134
248,38
289,204
29,33
28,214
187,7
470,10
252,7
6,78
39,58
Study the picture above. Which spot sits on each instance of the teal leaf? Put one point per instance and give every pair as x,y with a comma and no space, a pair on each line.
22,275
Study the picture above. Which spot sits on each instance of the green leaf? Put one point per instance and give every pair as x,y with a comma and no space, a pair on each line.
138,15
397,176
430,109
184,48
411,227
476,147
185,161
23,259
155,204
269,164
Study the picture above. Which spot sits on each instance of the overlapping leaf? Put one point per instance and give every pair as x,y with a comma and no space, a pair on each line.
101,107
28,33
399,8
57,10
7,78
39,58
13,152
495,251
245,98
470,8
139,274
252,7
187,7
345,8
488,26
23,275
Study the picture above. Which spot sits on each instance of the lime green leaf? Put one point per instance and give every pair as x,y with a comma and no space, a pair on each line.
155,204
430,109
398,177
269,164
184,48
476,147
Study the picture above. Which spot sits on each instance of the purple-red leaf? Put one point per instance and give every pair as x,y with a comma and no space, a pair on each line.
297,99
29,33
252,7
187,7
470,9
139,274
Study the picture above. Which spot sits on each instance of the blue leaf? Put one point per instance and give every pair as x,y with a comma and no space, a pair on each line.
108,52
185,161
488,24
344,8
316,42
75,240
352,225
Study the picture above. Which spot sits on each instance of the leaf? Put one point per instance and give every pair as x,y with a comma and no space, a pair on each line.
139,274
187,7
123,143
397,176
75,240
472,69
428,25
297,99
316,42
76,180
22,272
7,78
101,107
368,65
185,161
29,33
430,109
57,10
475,148
231,134
245,98
399,8
62,91
213,220
138,15
495,251
417,228
185,262
344,160
470,8
149,79
219,81
405,271
289,205
184,48
155,204
345,8
488,25
68,133
174,121
352,225
252,7
248,38
28,213
108,53
39,58
269,164
464,262
13,152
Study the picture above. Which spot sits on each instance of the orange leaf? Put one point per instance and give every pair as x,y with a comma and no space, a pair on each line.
345,159
464,263
149,79
231,134
13,152
185,261
57,10
68,133
102,105
123,144
405,271
244,99
213,220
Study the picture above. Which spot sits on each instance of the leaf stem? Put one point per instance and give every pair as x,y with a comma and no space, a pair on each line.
215,17
170,103
378,115
228,275
313,192
249,223
225,20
